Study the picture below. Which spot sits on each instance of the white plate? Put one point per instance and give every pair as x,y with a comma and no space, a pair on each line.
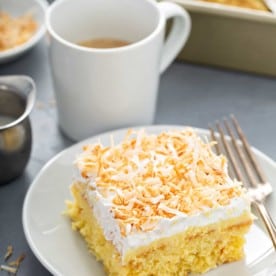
63,252
20,7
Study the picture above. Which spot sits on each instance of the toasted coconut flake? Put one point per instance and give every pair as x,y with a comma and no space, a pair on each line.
9,252
15,31
9,269
157,176
18,261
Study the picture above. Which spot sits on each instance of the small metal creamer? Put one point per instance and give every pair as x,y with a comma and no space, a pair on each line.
17,97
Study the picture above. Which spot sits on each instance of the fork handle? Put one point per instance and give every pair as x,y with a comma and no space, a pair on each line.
269,224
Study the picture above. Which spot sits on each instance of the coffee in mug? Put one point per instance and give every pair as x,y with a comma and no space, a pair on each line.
104,43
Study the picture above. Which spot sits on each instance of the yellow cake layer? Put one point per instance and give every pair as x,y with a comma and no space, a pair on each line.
197,249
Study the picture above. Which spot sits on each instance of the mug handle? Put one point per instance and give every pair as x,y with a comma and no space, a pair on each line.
179,32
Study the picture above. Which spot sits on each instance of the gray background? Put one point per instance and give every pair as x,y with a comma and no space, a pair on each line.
189,95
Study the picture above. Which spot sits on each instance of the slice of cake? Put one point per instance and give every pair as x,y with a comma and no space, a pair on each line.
158,205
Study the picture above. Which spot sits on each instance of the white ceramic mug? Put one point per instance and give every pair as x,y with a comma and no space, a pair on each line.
103,89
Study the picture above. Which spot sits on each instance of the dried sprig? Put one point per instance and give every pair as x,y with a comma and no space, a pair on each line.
9,252
9,269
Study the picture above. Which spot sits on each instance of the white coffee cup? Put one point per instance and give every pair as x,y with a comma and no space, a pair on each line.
103,89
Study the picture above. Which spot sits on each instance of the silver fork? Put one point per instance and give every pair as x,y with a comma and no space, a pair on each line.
244,167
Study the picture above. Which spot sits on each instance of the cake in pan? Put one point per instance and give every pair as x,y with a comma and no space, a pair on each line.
158,205
250,4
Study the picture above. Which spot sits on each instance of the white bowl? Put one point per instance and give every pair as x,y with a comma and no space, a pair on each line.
16,8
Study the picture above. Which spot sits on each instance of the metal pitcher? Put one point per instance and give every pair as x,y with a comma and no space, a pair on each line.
17,97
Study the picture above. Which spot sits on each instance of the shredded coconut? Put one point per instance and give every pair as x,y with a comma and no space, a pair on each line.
157,176
15,31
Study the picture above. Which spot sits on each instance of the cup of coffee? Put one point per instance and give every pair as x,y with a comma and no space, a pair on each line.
106,58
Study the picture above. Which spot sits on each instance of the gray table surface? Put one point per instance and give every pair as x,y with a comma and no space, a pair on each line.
189,95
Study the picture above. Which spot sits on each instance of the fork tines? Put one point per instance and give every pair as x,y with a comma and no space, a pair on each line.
232,141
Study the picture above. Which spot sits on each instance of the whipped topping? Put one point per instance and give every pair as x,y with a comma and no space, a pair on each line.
165,227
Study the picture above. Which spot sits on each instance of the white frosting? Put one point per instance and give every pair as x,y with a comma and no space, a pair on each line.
165,227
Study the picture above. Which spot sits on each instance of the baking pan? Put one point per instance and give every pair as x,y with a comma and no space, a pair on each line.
230,37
